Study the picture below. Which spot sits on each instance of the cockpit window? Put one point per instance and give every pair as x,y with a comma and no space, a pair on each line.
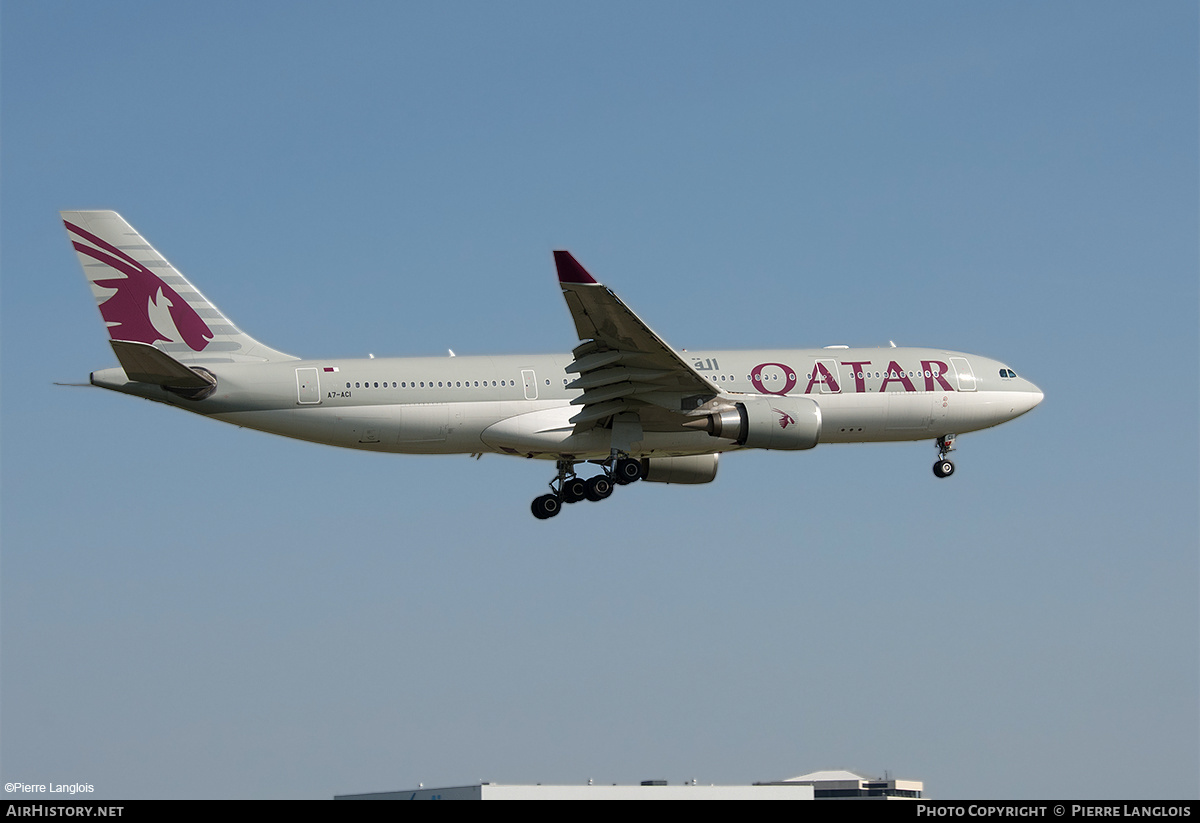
1007,373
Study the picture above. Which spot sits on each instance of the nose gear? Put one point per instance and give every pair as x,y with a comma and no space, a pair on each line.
944,467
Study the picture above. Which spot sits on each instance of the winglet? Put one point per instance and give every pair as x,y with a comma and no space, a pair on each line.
569,270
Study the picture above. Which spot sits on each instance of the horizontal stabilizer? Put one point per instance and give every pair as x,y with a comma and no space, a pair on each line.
145,364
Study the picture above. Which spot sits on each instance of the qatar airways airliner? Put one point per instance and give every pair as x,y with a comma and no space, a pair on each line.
622,400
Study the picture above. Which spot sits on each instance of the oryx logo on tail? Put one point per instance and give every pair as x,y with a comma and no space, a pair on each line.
142,308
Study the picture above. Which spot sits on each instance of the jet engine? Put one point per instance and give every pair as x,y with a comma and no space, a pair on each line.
776,422
698,468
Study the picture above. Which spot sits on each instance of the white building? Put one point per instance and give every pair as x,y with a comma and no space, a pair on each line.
648,790
826,785
843,785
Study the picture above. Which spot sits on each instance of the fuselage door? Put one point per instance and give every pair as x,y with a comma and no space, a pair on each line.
529,379
828,376
962,370
308,387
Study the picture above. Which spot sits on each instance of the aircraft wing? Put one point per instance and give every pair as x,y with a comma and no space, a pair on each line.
623,366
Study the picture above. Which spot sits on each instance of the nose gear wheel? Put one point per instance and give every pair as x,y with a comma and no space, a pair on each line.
944,467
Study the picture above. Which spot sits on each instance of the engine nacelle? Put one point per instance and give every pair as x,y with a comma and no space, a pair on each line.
777,422
698,468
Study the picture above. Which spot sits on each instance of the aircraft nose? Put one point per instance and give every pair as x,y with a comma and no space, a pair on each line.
1032,397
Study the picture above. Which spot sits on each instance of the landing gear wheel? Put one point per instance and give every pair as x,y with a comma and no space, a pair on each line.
546,506
943,468
628,471
574,490
599,487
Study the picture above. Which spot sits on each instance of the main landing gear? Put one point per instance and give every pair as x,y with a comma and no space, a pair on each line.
568,487
944,467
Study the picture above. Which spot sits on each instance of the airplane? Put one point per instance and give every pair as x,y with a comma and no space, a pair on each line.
622,400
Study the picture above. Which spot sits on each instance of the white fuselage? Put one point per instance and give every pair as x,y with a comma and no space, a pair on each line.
521,405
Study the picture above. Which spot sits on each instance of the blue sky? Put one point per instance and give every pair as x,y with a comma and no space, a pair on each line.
195,610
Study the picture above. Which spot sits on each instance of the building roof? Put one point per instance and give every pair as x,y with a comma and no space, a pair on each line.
831,774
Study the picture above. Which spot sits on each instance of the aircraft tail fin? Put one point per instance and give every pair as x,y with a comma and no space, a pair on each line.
144,299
